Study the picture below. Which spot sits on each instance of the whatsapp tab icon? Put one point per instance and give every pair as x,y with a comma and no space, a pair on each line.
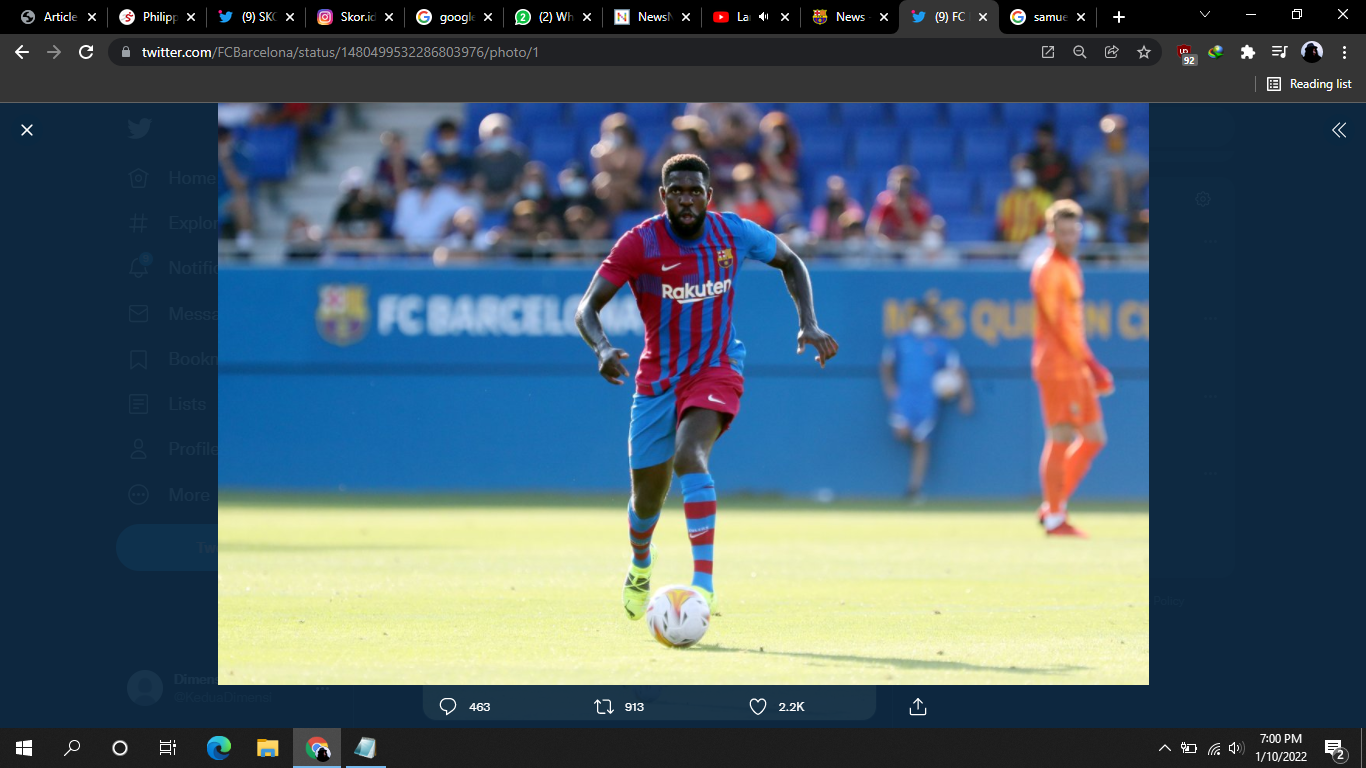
523,16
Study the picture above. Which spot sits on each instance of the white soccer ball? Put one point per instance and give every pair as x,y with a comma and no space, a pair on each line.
677,616
947,383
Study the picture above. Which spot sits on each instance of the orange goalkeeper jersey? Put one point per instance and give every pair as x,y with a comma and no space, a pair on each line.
1060,348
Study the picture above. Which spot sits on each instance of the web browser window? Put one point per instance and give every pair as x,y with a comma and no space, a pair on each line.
598,369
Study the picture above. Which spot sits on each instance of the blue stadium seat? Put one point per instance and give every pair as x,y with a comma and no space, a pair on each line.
649,113
535,115
917,116
813,184
273,150
651,138
823,145
590,114
1135,113
986,149
1026,115
808,116
877,148
1084,142
1069,116
493,218
861,115
972,115
866,185
934,150
990,185
951,193
1024,140
1117,228
554,147
1138,138
626,220
975,227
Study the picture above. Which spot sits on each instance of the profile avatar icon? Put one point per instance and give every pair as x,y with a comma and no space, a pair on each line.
144,687
1311,51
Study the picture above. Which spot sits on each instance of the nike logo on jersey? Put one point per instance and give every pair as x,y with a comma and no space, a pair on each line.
671,266
714,400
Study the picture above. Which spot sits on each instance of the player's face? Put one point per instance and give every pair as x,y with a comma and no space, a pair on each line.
1067,235
686,196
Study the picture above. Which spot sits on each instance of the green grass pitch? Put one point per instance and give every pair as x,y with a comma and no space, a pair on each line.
500,590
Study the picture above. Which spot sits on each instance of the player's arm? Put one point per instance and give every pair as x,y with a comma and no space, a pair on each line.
966,404
798,281
588,319
887,371
1071,333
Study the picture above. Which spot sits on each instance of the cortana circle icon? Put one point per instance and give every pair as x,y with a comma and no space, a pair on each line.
219,747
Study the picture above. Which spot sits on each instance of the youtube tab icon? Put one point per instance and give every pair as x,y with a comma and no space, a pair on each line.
720,17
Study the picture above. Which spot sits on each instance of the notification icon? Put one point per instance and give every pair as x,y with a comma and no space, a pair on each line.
720,17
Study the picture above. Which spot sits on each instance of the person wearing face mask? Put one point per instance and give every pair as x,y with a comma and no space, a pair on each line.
620,157
1113,179
826,219
900,213
498,162
748,200
534,194
1019,210
577,190
910,362
778,158
444,143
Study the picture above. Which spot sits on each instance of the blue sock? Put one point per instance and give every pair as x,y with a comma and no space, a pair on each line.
641,533
699,506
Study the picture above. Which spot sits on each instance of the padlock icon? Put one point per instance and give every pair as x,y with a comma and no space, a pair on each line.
126,54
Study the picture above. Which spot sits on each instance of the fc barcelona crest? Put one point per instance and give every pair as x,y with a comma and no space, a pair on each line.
343,313
725,258
818,16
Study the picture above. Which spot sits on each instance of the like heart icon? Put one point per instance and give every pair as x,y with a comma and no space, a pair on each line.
757,706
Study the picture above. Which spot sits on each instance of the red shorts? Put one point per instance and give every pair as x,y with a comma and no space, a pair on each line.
716,389
1069,401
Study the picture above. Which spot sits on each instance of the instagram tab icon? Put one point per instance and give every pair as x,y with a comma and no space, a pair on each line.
324,17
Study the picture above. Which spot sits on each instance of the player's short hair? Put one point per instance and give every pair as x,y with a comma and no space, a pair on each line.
1062,209
685,163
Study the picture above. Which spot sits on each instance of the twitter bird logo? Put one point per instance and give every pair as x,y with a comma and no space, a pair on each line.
224,17
140,128
917,16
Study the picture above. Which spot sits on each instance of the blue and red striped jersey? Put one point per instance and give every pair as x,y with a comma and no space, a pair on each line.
685,290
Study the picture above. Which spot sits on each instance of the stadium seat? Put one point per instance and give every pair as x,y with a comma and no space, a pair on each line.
951,193
273,150
990,185
1138,138
986,150
1024,140
626,220
877,148
1024,115
813,182
822,146
534,115
970,228
917,116
1084,143
1135,113
1117,228
1070,115
808,116
554,148
860,115
649,113
585,115
934,150
971,115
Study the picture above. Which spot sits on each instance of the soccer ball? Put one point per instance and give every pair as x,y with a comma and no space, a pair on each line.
947,383
677,616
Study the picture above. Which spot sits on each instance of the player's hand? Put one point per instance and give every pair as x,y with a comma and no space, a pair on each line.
609,365
1105,382
825,344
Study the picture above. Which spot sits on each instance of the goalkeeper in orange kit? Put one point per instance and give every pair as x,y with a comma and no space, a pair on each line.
1071,381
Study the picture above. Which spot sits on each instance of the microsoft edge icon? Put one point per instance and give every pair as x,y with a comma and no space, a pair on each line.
219,747
917,16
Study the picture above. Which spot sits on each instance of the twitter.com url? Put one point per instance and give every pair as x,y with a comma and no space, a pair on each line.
267,51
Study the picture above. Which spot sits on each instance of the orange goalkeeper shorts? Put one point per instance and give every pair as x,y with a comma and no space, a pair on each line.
1069,401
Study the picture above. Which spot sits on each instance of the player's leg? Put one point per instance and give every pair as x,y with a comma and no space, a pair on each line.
1090,440
651,446
920,462
697,433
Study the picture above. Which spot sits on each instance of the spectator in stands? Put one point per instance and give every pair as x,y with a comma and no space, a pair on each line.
581,224
727,151
523,231
779,152
498,162
900,213
1114,177
690,136
748,200
933,250
1051,166
395,168
423,211
235,218
429,165
534,188
359,217
618,162
1138,227
826,219
576,190
716,113
1019,210
310,120
466,241
303,241
456,166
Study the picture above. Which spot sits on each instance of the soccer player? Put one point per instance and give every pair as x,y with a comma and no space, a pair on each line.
681,266
1070,378
909,364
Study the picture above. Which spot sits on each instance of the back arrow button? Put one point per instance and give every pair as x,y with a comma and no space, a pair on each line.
55,51
20,51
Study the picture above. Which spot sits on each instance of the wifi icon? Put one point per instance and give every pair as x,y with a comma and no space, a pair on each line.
1214,750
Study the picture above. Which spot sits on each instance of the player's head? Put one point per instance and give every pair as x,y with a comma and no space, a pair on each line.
923,319
685,189
1064,225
